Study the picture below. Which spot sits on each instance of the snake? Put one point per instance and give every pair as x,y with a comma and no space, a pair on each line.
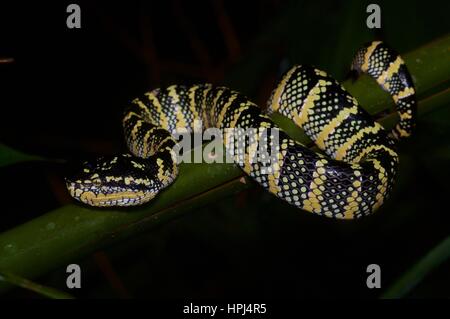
351,176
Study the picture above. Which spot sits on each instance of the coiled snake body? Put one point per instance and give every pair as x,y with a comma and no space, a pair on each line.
352,181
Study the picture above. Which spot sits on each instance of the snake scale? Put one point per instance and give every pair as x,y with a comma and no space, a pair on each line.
352,180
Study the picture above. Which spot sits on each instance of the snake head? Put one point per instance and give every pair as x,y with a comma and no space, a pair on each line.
120,180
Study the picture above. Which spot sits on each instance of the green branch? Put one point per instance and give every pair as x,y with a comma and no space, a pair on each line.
72,231
32,286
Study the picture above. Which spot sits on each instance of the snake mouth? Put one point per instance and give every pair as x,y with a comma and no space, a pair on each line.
101,196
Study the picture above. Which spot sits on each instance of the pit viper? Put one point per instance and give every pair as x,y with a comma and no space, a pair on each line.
352,179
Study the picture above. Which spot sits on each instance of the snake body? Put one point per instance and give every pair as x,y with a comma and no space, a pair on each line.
352,181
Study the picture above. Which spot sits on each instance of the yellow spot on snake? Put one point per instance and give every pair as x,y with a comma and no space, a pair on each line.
382,187
393,68
375,148
312,203
406,92
144,108
330,127
129,115
173,94
368,54
341,152
308,104
356,183
403,133
155,101
280,89
112,178
273,183
224,109
192,107
106,199
405,116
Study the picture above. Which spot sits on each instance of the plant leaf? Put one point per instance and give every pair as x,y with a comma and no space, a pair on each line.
29,285
9,156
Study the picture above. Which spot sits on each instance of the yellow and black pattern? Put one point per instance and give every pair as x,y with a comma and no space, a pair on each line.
353,181
389,70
